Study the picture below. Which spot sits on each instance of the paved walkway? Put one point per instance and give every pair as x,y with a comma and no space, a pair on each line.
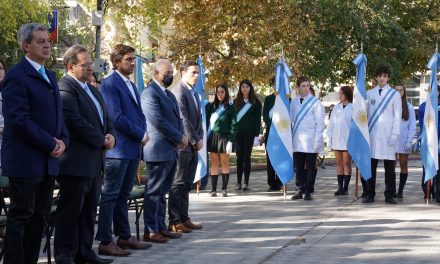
261,227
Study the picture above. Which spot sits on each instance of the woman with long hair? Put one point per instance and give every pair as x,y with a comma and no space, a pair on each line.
337,133
248,110
407,132
220,116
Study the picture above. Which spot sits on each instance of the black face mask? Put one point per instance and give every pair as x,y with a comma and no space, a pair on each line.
167,80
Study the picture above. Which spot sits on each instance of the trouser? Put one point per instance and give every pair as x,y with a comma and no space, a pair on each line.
75,218
31,200
243,146
390,178
272,178
178,200
305,178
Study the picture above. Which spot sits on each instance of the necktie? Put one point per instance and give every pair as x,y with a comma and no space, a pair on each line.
380,91
301,100
42,71
193,93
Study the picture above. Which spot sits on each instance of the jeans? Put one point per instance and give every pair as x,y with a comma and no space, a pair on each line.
113,208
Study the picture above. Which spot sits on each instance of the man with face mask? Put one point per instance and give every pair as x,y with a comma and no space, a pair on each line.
167,134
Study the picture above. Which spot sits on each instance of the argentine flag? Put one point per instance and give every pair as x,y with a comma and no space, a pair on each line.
138,76
359,138
429,147
202,167
279,144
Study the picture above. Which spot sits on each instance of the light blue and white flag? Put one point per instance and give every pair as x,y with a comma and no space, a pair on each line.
429,146
359,137
138,76
279,144
202,165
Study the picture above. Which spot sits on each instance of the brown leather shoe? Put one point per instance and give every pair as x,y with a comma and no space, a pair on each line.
191,225
170,235
179,228
112,250
132,243
155,237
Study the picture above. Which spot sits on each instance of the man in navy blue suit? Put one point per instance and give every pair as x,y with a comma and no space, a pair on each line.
33,140
160,153
124,108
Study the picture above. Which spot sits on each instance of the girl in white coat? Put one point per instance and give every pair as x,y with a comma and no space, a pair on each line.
407,132
337,134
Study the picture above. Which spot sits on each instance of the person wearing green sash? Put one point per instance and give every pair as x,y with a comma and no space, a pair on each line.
248,110
272,178
221,121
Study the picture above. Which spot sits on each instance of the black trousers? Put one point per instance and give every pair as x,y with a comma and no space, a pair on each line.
305,178
75,218
390,178
435,184
272,178
243,150
178,200
31,200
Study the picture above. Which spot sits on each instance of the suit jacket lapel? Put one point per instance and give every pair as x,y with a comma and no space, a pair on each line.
125,88
81,90
30,70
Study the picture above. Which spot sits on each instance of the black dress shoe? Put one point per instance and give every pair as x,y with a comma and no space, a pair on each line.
307,197
95,260
368,199
364,194
390,200
297,195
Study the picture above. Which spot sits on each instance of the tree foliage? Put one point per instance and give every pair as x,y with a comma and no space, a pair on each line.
319,39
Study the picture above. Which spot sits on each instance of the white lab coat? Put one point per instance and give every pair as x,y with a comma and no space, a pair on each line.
339,126
407,131
309,135
387,124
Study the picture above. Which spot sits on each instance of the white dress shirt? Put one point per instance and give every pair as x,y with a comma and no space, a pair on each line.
129,86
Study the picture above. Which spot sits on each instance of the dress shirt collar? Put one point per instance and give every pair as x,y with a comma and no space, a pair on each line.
83,85
386,87
123,77
160,85
34,64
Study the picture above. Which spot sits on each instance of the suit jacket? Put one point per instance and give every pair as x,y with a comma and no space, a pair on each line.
190,113
165,127
33,117
85,156
126,116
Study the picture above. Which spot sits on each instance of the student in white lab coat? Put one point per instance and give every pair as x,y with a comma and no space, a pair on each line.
307,115
407,132
384,107
337,134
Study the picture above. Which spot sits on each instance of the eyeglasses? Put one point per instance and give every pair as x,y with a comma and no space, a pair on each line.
86,65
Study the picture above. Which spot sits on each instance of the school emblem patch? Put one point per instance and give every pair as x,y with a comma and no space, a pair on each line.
373,101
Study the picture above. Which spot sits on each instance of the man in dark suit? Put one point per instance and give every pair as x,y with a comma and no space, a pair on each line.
160,153
81,166
124,108
190,112
33,140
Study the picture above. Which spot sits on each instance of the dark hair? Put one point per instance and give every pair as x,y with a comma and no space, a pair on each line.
184,67
312,90
239,101
405,110
348,92
301,79
225,100
71,55
382,70
2,62
118,52
272,81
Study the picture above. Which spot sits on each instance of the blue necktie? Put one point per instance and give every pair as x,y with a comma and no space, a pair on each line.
42,71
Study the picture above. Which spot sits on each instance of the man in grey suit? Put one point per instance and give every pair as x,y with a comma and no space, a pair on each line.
160,153
190,112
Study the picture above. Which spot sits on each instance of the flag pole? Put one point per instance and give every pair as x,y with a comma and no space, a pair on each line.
356,191
285,191
428,192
